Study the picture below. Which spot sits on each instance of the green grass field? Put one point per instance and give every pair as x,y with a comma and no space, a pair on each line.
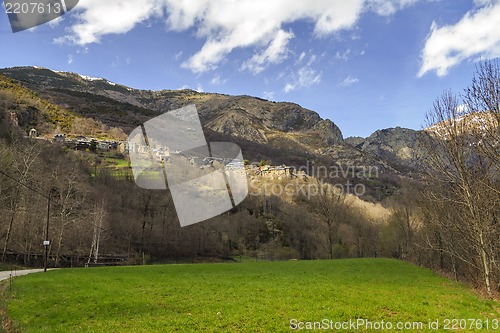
239,297
117,162
117,167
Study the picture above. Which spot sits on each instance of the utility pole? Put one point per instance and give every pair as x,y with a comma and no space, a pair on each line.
46,242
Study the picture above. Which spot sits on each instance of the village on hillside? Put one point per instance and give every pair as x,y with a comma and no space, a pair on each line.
163,154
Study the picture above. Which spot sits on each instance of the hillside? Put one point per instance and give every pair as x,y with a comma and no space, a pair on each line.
25,109
475,123
241,116
401,147
280,133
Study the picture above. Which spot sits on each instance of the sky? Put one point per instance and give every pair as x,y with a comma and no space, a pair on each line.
364,64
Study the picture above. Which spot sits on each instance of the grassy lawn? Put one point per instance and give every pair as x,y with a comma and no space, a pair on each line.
238,297
117,162
117,167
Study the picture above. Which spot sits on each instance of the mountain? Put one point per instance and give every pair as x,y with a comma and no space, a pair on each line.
285,127
25,109
241,116
400,147
474,123
281,133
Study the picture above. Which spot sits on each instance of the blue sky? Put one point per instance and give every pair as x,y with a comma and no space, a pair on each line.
365,64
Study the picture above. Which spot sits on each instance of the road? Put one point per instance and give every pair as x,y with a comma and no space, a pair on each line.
6,274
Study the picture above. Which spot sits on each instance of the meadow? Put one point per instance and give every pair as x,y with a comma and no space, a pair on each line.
243,297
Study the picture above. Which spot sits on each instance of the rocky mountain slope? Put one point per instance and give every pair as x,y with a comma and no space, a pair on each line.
278,132
474,123
400,147
241,116
25,109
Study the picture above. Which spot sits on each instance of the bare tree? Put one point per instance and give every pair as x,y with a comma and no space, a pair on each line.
24,158
332,205
464,172
483,97
99,216
68,183
405,219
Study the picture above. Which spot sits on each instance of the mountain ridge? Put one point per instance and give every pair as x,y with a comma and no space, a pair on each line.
277,132
286,116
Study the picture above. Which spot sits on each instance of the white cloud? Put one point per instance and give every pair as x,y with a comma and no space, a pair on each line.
475,36
83,50
55,22
70,59
228,25
308,77
225,25
301,57
97,18
484,2
218,81
119,62
199,88
289,87
312,60
343,56
269,95
178,55
275,53
305,77
348,81
389,7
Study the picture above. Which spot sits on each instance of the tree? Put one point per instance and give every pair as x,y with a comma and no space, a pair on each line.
332,206
93,146
24,159
464,173
483,95
99,216
68,182
405,220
